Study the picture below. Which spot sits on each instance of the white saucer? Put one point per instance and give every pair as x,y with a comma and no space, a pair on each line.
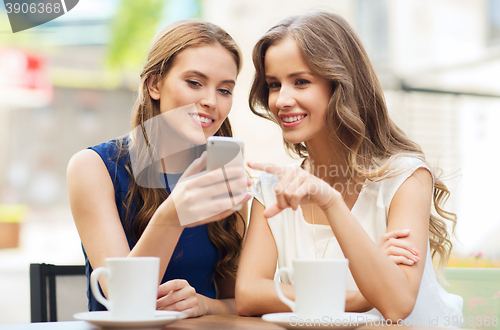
104,320
343,321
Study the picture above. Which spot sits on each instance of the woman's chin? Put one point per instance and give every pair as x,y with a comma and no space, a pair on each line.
293,139
191,138
198,140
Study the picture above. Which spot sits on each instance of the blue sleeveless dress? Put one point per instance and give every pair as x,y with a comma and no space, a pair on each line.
195,255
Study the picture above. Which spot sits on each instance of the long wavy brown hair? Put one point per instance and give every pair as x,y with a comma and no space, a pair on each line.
357,115
141,202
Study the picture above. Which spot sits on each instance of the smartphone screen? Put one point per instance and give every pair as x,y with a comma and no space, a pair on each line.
225,151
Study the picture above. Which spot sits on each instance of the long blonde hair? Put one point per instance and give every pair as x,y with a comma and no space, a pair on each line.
357,115
142,201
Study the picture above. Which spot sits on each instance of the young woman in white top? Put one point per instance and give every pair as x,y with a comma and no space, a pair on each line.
362,181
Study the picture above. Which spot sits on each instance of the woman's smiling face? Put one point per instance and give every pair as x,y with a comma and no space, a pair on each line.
198,86
298,98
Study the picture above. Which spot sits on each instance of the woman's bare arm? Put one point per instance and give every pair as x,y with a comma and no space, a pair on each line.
92,201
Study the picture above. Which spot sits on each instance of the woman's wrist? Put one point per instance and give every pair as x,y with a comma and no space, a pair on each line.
204,305
209,306
166,214
334,199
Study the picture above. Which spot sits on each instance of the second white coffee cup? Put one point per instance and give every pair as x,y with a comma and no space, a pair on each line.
132,285
320,287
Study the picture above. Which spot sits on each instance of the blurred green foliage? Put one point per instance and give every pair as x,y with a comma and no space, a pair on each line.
134,25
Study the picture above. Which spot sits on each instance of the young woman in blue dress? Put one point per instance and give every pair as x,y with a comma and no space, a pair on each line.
364,190
191,65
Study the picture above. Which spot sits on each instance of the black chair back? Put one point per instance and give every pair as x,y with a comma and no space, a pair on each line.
46,287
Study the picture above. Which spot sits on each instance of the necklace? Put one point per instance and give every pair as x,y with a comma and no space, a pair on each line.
314,232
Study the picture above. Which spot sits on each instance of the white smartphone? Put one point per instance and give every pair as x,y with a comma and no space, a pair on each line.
222,151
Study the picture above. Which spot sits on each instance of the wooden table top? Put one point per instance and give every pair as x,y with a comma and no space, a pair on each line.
207,322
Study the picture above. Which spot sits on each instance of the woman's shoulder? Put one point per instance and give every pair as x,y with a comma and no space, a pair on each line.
405,166
106,156
400,169
95,155
113,153
86,169
410,163
84,160
111,149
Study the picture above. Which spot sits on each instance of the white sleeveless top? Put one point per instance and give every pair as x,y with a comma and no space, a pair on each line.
294,240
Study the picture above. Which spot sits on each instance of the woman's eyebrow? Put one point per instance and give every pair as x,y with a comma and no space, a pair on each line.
204,76
198,73
293,74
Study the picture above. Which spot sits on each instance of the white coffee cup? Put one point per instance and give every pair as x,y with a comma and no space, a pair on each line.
320,287
132,285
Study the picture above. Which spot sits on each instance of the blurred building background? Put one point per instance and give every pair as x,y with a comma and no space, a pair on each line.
438,61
